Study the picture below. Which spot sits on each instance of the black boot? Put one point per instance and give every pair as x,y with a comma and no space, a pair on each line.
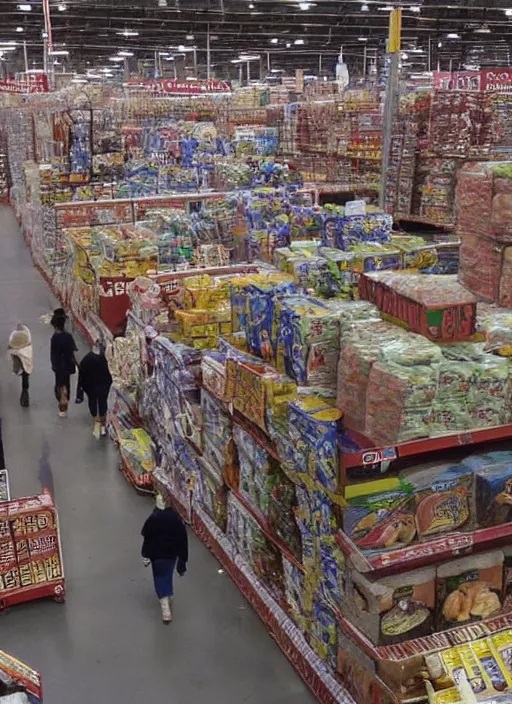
24,399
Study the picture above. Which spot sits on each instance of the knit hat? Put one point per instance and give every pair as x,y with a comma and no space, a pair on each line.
20,348
160,502
20,338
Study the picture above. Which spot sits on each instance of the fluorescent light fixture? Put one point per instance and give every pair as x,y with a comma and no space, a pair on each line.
129,33
116,59
508,12
453,35
274,41
34,70
181,47
305,5
417,50
249,57
10,42
7,48
362,39
106,70
251,6
236,61
79,80
125,53
415,8
386,8
61,7
190,78
19,29
288,45
163,53
365,8
169,58
58,52
190,37
404,55
276,70
299,41
25,8
439,45
484,29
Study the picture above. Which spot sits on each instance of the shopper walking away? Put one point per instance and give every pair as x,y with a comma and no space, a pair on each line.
62,353
21,352
95,379
165,546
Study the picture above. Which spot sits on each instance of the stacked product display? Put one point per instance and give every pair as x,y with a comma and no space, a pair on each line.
319,396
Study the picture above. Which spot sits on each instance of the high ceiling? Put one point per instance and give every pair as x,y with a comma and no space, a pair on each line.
287,34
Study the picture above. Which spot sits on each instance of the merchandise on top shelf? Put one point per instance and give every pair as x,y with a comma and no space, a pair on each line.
435,306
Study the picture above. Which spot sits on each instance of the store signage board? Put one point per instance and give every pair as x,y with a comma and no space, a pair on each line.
495,80
166,86
32,83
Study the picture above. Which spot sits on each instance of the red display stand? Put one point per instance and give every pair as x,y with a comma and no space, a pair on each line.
30,552
17,672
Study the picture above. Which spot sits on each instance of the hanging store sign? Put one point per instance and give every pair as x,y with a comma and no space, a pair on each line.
166,86
497,80
489,80
458,80
32,83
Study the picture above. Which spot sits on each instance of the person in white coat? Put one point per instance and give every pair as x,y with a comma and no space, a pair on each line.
22,357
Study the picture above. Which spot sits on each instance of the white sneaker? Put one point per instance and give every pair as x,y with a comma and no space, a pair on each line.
96,431
103,431
63,414
165,605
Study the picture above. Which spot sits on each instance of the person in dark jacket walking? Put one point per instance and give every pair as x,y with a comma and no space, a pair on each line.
62,354
95,379
165,546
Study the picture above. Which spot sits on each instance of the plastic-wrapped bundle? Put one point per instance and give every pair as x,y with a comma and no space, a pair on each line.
217,432
483,200
372,227
252,304
398,401
489,395
281,514
261,555
411,350
258,390
259,472
210,492
480,266
294,592
213,369
307,334
313,428
322,634
137,451
497,327
360,348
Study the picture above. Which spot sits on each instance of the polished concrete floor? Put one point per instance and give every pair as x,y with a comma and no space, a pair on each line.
106,644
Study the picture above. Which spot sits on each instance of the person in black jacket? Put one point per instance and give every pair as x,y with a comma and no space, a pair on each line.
95,379
165,546
62,354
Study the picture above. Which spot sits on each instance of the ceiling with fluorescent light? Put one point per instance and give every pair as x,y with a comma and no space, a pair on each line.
286,34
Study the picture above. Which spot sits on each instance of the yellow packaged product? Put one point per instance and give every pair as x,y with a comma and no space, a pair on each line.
446,696
205,292
461,659
497,678
503,644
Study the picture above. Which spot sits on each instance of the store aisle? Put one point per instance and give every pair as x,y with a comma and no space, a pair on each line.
106,644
